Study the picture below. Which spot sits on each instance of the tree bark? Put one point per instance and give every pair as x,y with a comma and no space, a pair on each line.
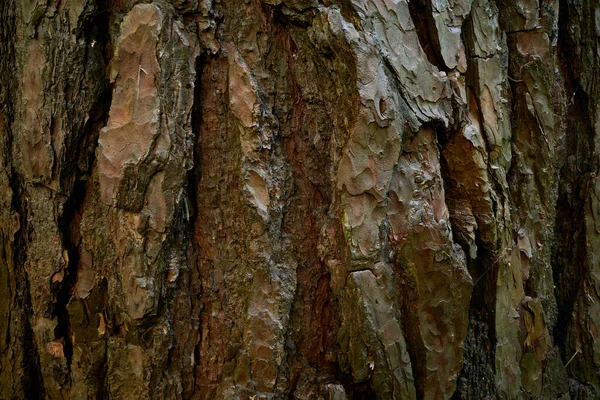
211,199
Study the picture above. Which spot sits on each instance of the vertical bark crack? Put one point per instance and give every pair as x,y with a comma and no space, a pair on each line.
30,383
76,172
420,12
569,250
191,201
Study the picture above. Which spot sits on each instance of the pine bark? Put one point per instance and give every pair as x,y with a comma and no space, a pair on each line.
305,199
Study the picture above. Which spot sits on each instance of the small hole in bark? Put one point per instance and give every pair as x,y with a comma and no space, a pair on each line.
382,106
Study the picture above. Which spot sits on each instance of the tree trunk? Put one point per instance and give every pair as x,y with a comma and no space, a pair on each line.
217,199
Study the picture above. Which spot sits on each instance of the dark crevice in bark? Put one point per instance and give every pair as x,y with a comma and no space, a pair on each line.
31,381
195,174
476,379
570,253
569,250
75,173
422,17
68,222
64,288
362,390
193,182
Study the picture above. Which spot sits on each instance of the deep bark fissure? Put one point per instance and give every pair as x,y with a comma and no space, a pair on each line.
421,13
194,177
195,174
569,250
30,384
64,288
476,377
76,173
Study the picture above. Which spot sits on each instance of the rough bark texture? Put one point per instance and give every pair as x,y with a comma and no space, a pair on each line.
266,199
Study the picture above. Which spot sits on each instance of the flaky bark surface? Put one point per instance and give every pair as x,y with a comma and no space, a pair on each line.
206,199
